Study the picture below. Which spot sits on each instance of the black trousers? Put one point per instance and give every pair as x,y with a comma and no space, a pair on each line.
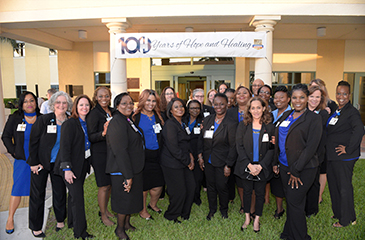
248,187
231,185
296,223
217,184
76,206
198,177
38,185
181,186
339,176
311,205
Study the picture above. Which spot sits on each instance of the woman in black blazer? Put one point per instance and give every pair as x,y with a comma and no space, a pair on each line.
255,152
148,118
236,113
44,148
177,163
16,140
73,163
125,162
217,154
97,124
297,137
193,121
344,134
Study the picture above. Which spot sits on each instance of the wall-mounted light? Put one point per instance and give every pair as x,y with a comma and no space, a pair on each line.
82,34
189,29
321,31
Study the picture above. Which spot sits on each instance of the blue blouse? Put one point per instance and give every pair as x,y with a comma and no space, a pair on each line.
56,146
84,128
191,125
275,113
146,124
216,125
240,117
256,144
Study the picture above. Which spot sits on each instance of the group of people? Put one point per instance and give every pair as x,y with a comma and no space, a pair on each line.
244,137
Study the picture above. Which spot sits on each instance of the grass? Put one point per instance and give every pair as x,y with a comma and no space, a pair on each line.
319,227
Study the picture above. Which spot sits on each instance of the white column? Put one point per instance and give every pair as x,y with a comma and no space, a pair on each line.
263,66
118,67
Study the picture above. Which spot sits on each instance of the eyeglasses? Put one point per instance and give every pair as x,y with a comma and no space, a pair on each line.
125,104
256,85
199,96
263,92
59,102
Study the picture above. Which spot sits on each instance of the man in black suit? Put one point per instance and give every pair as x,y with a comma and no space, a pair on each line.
198,94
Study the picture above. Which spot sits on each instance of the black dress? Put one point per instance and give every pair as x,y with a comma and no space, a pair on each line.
125,155
95,127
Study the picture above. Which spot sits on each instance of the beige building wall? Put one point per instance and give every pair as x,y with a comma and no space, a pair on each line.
330,63
354,56
242,72
7,70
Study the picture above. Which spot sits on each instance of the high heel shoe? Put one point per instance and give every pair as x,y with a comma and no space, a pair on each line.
9,231
278,215
147,218
41,235
256,231
159,210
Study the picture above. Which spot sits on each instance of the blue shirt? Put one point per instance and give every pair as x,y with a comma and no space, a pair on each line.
283,132
216,125
256,144
84,128
146,124
240,117
276,111
191,125
56,146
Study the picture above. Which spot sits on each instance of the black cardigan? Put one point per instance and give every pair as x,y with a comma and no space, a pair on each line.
301,142
222,147
348,131
13,139
72,148
125,147
244,146
95,126
41,143
175,152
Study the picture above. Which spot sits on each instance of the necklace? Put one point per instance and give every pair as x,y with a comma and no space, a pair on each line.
217,120
60,121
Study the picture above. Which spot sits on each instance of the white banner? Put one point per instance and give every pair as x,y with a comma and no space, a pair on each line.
197,44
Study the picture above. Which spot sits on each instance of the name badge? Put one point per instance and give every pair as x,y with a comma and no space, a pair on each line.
51,129
21,127
333,121
187,130
109,118
265,137
206,114
208,134
157,128
285,124
134,128
197,130
87,153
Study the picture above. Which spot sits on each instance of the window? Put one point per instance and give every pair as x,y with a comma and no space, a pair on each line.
102,79
19,50
55,87
20,89
191,61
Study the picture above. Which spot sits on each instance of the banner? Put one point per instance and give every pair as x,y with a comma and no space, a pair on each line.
192,44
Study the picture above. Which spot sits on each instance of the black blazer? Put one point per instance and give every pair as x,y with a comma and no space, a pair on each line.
222,147
207,108
175,151
232,113
321,147
137,118
244,146
72,148
125,147
348,131
13,139
95,126
194,137
301,142
41,143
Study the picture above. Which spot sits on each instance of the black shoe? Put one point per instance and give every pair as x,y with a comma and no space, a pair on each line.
279,215
224,215
88,236
311,215
58,229
9,231
147,218
41,235
149,207
177,221
210,215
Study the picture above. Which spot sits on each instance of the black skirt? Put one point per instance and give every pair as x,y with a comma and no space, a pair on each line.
98,161
123,202
152,172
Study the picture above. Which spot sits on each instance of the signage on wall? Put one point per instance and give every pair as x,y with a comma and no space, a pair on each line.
198,44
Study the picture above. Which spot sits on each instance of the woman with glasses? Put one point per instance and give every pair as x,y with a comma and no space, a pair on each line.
125,162
167,94
255,152
344,134
265,93
147,117
15,137
217,154
177,163
193,120
97,125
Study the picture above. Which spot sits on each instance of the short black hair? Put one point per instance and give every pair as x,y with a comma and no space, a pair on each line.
282,88
231,90
301,87
169,106
119,97
222,95
21,102
258,91
344,83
